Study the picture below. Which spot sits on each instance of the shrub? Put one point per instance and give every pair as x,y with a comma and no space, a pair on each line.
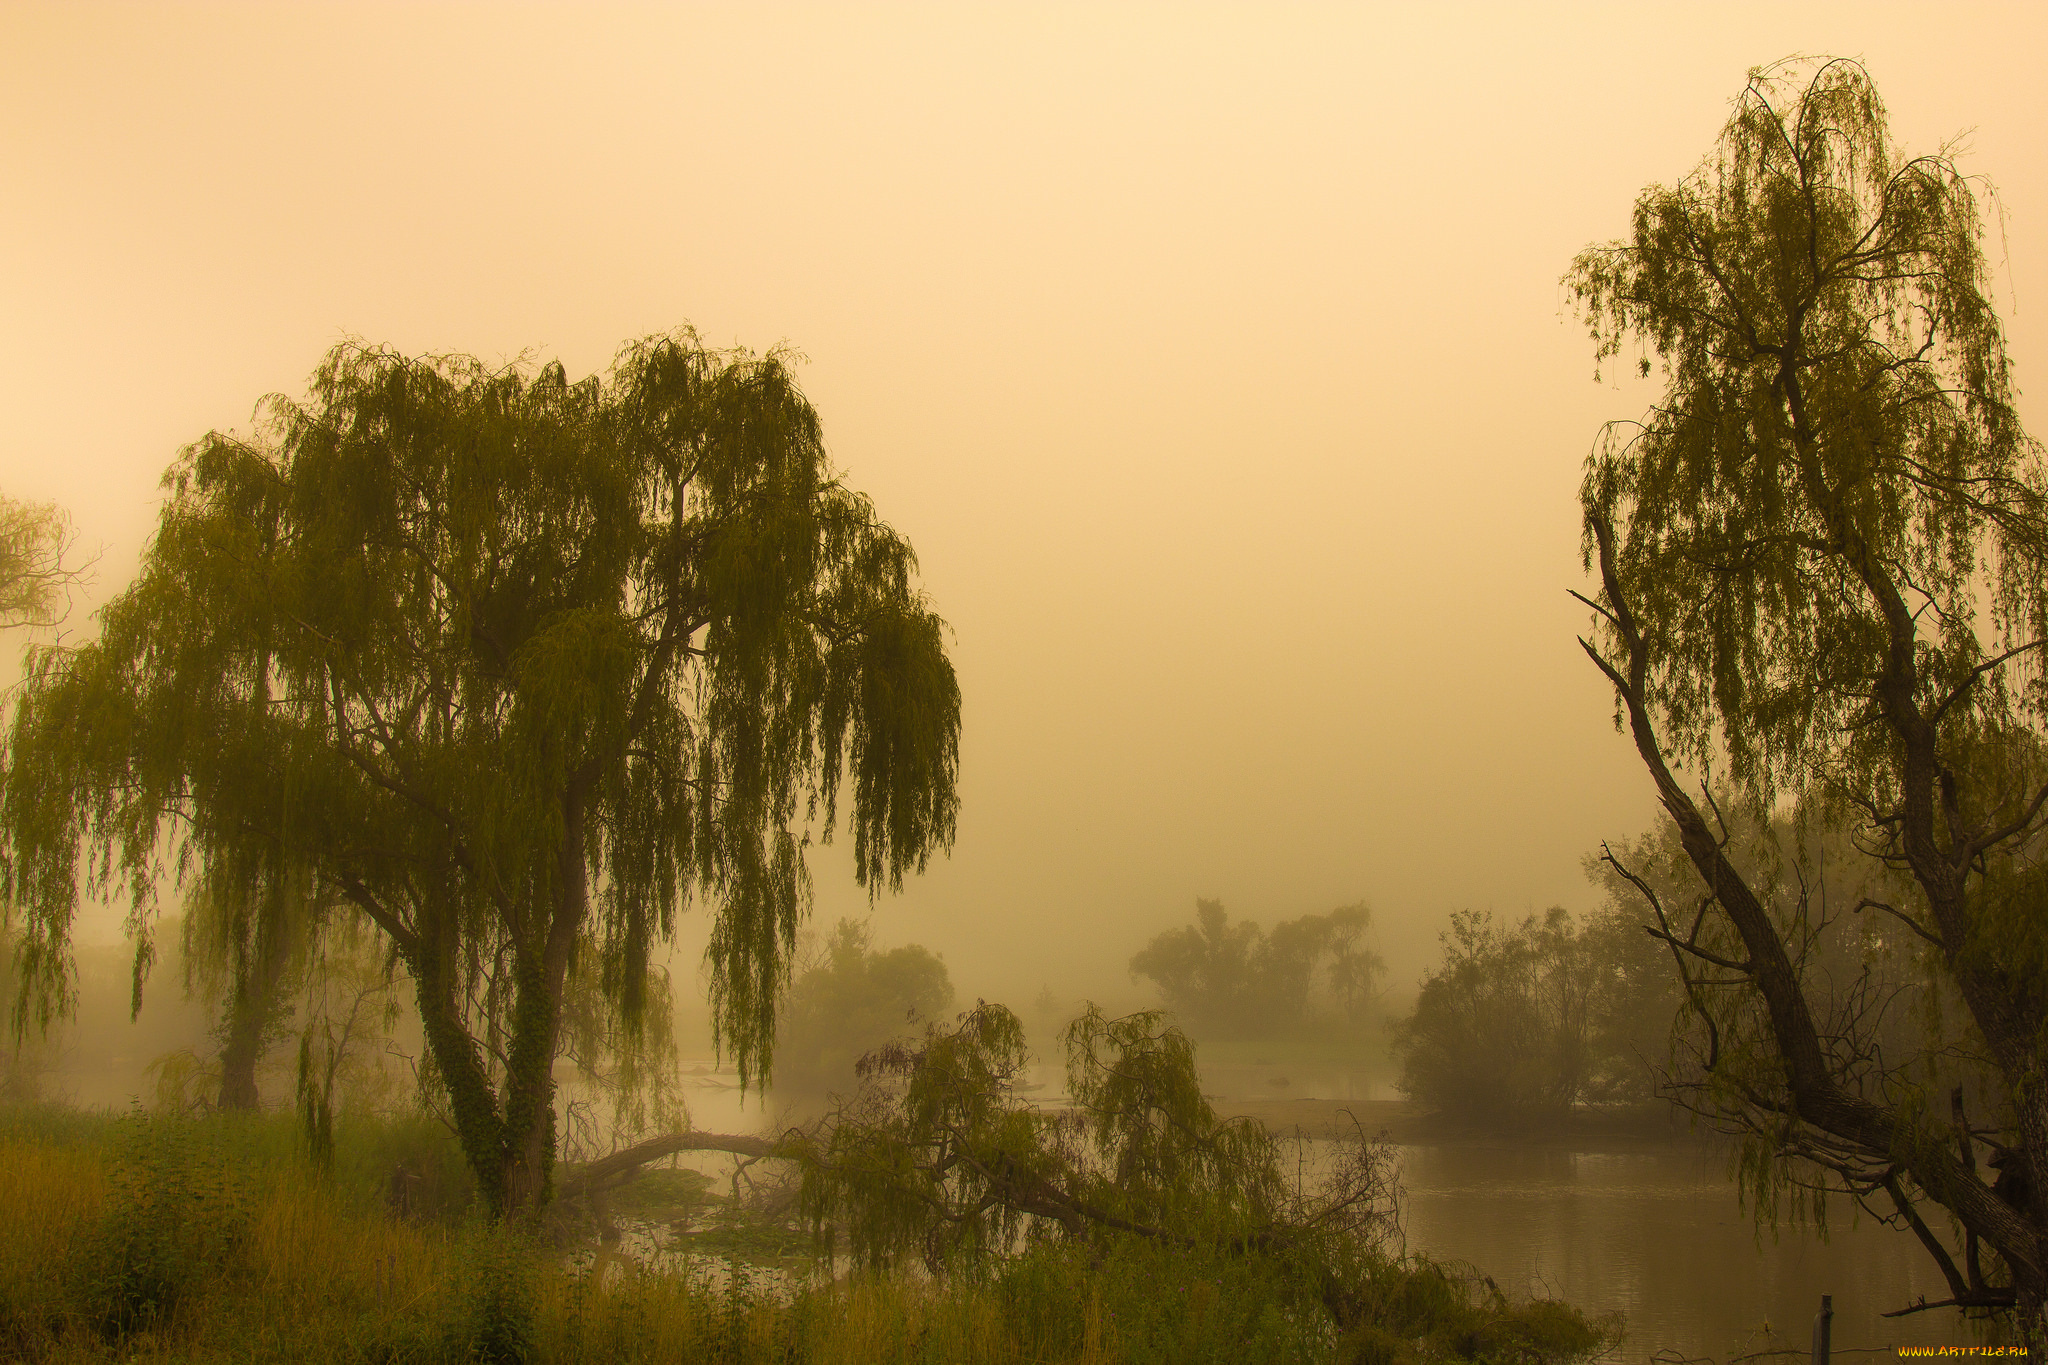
176,1211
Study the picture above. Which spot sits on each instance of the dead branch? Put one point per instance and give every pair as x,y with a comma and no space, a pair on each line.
593,1177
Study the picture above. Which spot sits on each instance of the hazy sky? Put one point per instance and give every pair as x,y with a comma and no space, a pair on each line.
1213,358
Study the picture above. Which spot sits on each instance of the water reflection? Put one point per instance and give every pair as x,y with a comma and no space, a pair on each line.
1660,1236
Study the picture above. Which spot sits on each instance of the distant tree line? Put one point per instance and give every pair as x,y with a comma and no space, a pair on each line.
1224,980
1523,1021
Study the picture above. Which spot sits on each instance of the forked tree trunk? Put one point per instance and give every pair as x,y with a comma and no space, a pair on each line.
508,1130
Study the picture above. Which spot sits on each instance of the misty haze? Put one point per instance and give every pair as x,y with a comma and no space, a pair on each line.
1065,684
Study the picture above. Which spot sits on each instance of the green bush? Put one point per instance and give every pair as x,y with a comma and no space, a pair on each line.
177,1211
1163,1304
502,1270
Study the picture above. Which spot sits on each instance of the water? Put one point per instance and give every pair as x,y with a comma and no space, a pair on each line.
1661,1236
1266,1081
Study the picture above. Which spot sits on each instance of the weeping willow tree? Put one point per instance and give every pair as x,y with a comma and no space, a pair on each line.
1823,568
937,1156
513,667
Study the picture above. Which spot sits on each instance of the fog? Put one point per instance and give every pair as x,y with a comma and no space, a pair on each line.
1213,359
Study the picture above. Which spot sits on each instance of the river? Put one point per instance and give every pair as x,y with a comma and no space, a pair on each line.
1661,1236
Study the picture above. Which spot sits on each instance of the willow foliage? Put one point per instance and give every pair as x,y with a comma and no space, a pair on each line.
1838,412
514,666
938,1156
1823,557
33,577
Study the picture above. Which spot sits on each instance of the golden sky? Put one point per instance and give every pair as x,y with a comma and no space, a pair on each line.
1213,358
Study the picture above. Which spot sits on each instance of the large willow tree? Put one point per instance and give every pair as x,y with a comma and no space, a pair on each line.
1823,569
513,667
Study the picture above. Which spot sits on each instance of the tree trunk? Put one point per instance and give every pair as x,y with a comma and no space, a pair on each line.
239,1054
542,977
433,961
508,1130
1880,1133
251,1004
529,1091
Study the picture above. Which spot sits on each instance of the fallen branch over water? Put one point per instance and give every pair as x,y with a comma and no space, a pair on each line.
606,1173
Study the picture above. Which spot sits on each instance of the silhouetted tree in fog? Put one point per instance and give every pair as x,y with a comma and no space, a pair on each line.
1525,1022
34,579
1229,980
852,1000
1822,567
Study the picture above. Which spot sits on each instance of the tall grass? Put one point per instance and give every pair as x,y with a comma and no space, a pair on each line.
144,1238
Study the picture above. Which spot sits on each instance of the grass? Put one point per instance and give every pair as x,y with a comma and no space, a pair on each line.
146,1238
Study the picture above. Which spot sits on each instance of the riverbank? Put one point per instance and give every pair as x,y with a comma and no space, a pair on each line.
147,1237
1613,1129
